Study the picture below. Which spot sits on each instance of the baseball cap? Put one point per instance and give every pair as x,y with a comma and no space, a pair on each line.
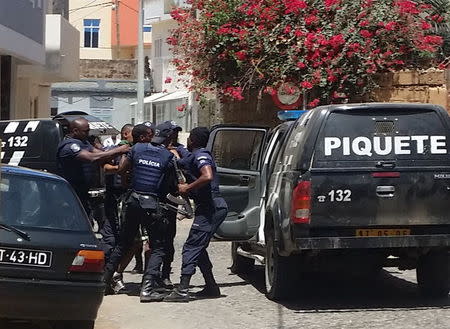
174,126
149,124
162,132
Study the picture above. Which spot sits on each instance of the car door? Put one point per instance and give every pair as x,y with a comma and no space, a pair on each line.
238,153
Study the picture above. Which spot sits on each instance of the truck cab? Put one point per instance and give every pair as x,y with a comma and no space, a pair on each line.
344,187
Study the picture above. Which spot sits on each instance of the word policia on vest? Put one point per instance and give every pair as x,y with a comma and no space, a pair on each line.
386,145
149,163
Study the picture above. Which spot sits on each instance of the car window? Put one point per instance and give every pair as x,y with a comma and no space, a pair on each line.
363,137
37,202
238,149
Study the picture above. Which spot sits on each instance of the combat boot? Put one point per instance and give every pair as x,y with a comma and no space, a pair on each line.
212,291
178,296
107,279
148,292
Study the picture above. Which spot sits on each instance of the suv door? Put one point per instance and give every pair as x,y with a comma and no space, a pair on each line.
238,155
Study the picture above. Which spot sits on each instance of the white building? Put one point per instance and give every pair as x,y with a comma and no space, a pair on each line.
35,50
170,95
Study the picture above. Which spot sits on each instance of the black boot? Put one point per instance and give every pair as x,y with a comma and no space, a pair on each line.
180,294
148,292
166,277
208,292
211,289
117,283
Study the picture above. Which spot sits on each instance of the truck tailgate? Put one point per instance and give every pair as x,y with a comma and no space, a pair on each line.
361,199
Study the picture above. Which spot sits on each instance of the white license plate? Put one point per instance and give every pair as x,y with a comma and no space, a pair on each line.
25,257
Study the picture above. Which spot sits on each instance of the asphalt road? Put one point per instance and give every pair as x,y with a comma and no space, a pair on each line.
319,302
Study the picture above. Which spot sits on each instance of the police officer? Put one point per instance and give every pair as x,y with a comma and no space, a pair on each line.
75,158
169,129
114,191
211,210
153,177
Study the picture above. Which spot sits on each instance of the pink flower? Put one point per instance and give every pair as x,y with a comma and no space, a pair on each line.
301,65
390,26
306,85
241,55
168,80
294,6
364,23
314,102
426,25
365,33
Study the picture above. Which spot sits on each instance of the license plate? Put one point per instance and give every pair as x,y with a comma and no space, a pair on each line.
26,257
383,232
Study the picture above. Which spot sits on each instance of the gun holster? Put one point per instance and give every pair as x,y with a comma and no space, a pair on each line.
147,202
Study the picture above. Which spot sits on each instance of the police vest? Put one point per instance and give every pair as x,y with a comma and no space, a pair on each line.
149,167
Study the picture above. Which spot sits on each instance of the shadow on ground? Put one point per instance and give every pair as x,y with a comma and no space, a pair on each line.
344,293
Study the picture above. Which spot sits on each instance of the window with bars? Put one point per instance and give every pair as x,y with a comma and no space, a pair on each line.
91,33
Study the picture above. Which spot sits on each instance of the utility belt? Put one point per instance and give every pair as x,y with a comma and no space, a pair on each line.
148,202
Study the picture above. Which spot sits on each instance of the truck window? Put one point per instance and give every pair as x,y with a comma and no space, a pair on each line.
238,149
358,138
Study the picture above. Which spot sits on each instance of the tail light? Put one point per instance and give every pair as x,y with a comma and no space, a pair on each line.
301,203
88,261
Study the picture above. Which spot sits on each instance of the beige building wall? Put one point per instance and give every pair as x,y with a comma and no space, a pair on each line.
98,9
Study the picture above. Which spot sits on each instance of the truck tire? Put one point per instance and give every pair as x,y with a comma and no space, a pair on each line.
241,264
279,272
433,274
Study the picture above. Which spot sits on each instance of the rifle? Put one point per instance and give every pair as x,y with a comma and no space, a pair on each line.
180,200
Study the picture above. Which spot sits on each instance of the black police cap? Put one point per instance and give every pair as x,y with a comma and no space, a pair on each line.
174,125
162,132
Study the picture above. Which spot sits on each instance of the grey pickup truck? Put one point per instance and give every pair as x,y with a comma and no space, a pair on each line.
344,187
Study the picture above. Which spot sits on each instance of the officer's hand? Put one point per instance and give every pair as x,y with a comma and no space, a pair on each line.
183,189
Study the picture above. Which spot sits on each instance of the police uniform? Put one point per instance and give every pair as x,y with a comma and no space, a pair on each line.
114,192
152,179
211,210
78,173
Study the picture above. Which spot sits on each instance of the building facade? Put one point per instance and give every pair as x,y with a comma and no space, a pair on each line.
35,50
170,100
109,30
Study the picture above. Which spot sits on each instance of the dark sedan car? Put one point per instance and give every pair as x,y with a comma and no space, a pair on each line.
50,262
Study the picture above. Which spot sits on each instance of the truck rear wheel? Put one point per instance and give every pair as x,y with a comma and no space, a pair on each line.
433,274
279,272
241,264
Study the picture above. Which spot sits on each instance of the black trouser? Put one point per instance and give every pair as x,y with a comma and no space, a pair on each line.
194,249
156,228
111,228
171,217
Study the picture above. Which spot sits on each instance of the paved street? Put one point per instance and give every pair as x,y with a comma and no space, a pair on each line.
322,303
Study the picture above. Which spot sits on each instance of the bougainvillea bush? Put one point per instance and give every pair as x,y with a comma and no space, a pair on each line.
329,48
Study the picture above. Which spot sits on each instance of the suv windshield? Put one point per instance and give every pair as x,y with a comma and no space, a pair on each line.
27,201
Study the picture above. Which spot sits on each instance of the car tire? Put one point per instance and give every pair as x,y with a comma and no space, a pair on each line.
241,264
279,272
80,324
433,274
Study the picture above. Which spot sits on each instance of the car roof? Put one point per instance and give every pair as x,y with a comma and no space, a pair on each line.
363,106
17,170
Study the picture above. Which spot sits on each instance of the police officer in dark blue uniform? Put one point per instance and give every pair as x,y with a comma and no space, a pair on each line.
211,210
114,191
153,177
75,157
171,129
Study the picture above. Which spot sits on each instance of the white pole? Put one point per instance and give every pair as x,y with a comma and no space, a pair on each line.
140,70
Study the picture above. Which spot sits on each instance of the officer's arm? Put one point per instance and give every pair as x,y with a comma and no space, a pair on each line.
110,168
206,176
87,156
124,165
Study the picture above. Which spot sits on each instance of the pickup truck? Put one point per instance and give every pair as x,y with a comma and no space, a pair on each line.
354,187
